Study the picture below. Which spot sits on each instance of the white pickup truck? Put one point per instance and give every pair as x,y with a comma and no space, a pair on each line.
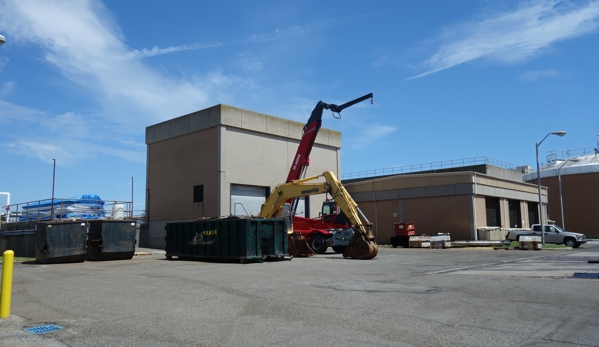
553,234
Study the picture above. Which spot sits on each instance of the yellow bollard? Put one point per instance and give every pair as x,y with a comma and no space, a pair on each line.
7,265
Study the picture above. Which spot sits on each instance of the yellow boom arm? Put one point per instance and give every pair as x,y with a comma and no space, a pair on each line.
362,245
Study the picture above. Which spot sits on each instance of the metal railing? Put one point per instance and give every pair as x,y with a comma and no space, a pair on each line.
569,153
68,209
446,164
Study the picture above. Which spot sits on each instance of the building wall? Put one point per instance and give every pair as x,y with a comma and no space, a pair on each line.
444,214
580,194
218,147
432,215
265,161
174,167
452,202
503,213
388,212
524,211
481,211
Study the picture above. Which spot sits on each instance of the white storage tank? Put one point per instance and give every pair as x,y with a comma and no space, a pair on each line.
118,211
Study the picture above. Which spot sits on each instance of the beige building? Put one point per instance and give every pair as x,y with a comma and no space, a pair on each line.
224,161
456,202
577,178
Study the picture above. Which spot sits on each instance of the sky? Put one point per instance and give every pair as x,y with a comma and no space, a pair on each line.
80,81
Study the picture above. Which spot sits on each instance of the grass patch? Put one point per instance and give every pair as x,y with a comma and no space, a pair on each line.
516,244
18,259
551,246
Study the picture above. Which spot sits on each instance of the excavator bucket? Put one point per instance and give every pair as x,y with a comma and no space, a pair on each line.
361,247
298,246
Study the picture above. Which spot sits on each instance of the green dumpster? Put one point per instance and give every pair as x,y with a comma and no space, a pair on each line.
229,239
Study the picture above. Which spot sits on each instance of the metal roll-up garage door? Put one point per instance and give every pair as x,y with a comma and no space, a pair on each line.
247,200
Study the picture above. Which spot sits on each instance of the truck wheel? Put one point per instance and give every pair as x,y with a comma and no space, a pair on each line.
318,244
570,242
339,249
576,245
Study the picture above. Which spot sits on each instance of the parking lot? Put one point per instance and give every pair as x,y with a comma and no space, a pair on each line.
403,297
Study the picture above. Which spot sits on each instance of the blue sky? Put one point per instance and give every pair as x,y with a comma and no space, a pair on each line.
81,80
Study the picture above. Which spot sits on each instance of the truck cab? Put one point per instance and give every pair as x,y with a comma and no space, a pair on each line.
556,235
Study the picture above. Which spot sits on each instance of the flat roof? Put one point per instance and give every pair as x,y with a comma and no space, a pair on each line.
236,117
571,166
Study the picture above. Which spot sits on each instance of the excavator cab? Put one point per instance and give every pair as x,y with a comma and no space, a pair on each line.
329,207
333,216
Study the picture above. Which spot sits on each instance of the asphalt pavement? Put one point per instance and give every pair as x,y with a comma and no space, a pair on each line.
403,297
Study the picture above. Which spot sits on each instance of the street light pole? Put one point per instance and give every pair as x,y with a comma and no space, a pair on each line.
559,179
560,134
52,204
561,200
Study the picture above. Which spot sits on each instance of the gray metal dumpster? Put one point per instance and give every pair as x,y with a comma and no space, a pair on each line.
231,239
110,240
60,242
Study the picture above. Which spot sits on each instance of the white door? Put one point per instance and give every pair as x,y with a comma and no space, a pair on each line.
248,200
301,207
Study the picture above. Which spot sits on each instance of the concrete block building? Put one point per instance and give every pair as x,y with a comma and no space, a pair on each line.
223,161
573,185
458,201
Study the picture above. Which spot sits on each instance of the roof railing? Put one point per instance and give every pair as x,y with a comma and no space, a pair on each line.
68,209
569,153
446,164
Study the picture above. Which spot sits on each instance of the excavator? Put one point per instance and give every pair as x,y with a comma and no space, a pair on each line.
312,234
362,245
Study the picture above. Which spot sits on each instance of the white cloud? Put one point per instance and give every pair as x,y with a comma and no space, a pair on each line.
297,30
69,137
136,54
81,39
83,42
371,135
23,119
69,151
6,88
513,36
312,27
535,75
3,62
40,150
10,113
249,62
